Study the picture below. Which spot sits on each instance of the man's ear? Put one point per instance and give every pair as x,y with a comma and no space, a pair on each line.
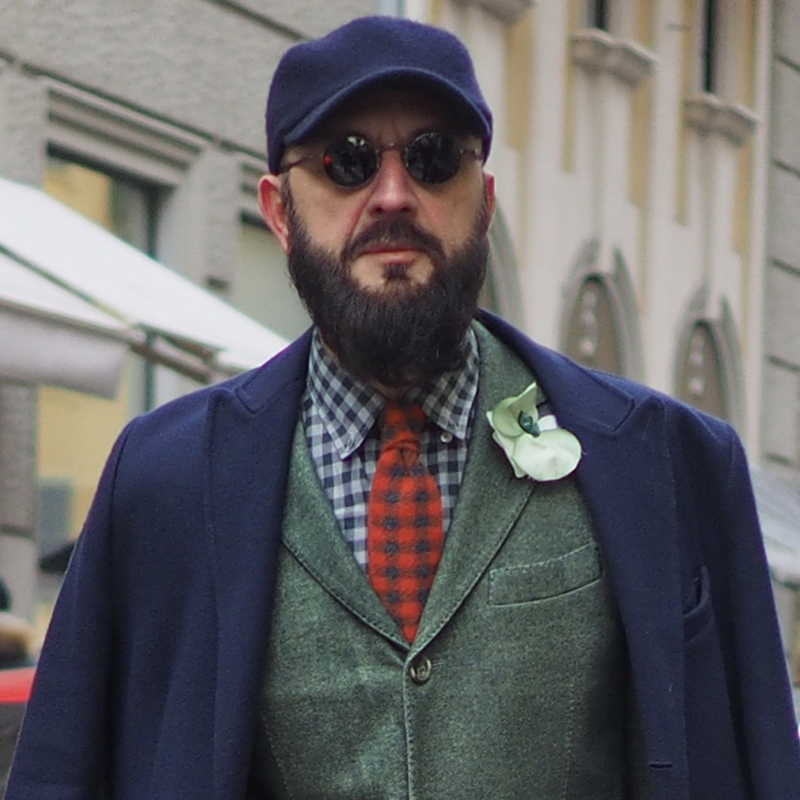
491,198
273,209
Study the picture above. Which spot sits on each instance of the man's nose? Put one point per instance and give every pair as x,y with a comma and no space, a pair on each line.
393,190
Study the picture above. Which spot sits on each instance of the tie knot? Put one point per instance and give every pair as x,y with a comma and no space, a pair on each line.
401,422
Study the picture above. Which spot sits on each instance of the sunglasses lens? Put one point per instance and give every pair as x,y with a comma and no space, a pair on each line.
433,158
350,162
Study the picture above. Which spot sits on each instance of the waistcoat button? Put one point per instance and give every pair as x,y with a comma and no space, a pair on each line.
420,670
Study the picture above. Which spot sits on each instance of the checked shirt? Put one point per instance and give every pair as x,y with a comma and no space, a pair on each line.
340,415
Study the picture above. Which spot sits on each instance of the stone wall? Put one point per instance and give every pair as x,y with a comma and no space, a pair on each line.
781,389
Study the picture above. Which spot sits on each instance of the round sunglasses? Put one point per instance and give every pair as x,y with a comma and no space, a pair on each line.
352,161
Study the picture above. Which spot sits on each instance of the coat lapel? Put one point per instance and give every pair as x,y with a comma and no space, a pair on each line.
248,443
632,503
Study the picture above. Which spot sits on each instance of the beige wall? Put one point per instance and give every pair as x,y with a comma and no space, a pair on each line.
609,162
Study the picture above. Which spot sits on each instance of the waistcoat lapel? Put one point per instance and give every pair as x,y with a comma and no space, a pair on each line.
317,543
490,502
490,499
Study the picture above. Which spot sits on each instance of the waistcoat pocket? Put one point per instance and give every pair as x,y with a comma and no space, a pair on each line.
527,583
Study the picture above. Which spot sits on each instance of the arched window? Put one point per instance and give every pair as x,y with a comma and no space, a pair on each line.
598,13
701,374
592,335
599,327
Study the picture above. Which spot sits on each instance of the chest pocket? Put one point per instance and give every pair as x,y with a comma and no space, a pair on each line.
528,583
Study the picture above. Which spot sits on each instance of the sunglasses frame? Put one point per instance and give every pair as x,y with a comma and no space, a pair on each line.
379,150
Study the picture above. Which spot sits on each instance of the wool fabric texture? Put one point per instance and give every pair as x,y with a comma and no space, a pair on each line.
313,79
405,532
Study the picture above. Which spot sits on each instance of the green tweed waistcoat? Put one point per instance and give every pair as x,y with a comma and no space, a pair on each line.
515,686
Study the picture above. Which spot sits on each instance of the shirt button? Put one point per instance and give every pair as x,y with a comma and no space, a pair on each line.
420,670
446,437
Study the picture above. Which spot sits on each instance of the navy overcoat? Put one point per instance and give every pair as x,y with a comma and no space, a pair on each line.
148,683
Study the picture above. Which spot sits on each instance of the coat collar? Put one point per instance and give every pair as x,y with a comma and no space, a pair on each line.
577,395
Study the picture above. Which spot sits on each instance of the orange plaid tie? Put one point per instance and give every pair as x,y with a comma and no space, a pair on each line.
405,532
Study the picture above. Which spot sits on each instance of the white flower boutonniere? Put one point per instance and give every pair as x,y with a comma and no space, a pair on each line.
535,446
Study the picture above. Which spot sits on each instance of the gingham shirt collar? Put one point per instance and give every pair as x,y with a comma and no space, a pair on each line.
348,408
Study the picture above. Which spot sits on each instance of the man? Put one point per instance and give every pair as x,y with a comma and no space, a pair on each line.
324,579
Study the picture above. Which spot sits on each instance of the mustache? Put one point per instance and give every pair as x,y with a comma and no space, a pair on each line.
395,231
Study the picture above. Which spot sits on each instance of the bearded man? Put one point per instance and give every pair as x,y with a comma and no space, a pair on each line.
415,555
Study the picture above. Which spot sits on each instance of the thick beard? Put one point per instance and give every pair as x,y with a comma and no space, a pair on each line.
403,335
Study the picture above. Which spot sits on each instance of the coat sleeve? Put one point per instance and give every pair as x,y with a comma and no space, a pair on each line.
63,747
764,705
733,557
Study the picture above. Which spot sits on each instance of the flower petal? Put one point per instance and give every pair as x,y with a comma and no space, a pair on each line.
502,420
548,423
540,450
525,401
507,443
548,457
504,416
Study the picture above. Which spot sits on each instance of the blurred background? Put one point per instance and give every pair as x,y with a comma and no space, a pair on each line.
647,155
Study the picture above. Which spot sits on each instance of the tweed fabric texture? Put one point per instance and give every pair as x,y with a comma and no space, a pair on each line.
526,689
404,521
340,417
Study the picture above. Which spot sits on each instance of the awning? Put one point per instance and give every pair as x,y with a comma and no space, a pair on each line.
178,323
779,513
49,335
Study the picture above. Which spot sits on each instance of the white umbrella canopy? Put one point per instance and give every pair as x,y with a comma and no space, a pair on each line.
182,322
50,335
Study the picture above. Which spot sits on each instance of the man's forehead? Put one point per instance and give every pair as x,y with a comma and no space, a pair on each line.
411,107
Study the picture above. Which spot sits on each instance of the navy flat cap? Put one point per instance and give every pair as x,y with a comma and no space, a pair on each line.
314,78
